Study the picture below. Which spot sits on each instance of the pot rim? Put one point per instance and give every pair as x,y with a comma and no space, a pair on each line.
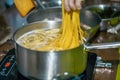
52,51
15,41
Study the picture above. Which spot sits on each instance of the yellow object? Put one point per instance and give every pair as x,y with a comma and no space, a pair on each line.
118,69
71,32
24,6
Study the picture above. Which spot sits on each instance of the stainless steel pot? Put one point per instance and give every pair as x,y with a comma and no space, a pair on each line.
50,64
42,14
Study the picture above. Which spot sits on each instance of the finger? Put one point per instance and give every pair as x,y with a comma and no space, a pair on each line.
66,4
72,4
78,4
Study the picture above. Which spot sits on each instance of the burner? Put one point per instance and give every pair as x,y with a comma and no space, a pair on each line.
8,69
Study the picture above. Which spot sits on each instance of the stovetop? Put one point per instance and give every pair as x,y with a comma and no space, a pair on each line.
8,68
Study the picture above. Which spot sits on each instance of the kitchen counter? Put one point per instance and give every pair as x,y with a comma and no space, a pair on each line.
14,20
108,55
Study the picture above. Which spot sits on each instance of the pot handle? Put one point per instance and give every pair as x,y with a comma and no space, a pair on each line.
102,45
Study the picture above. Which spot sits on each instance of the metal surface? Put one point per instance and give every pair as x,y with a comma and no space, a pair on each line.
86,17
102,45
42,4
48,65
106,11
42,14
109,14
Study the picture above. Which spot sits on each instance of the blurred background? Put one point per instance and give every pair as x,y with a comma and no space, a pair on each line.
108,10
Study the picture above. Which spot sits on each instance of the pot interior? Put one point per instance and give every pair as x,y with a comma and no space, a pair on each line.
34,26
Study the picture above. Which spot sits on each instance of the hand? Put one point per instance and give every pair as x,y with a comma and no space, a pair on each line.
72,5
